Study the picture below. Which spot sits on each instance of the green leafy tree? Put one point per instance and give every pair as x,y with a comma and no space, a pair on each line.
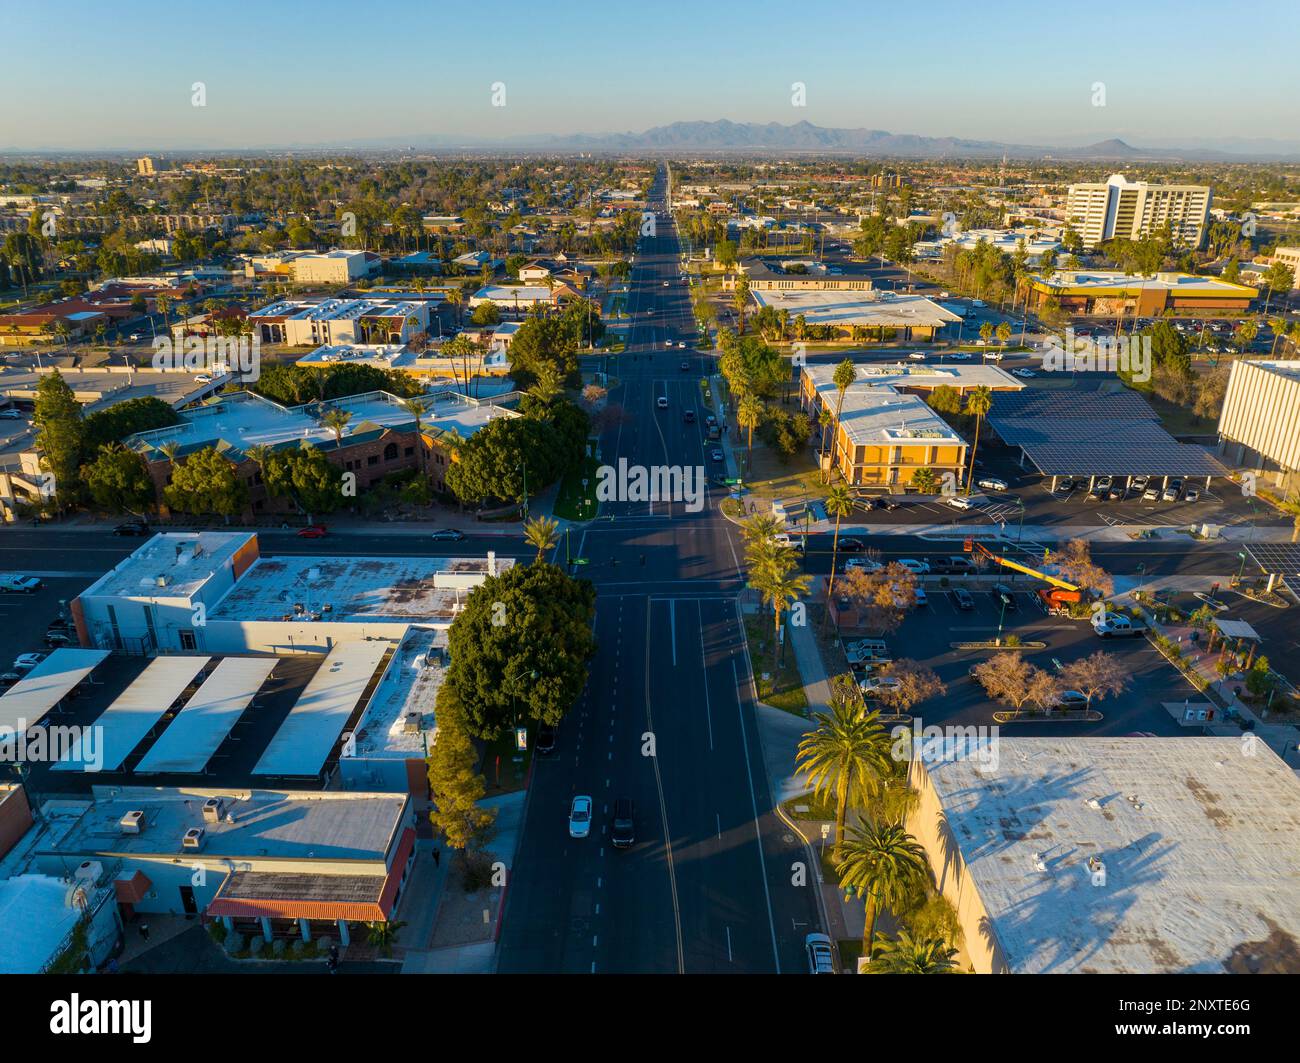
491,463
205,484
520,648
59,435
454,781
118,480
304,476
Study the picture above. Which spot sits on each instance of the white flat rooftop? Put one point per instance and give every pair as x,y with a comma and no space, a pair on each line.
198,730
35,918
410,684
378,355
122,726
1199,837
183,561
26,702
1174,282
355,589
268,824
306,738
508,294
871,309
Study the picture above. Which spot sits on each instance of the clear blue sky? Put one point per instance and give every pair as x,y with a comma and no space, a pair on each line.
91,75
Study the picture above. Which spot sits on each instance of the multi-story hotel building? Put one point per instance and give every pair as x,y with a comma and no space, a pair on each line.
1133,210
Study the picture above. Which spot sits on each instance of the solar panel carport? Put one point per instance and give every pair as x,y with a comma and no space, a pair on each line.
26,702
125,723
1074,433
305,740
208,717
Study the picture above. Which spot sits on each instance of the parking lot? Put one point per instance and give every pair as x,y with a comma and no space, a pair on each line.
928,631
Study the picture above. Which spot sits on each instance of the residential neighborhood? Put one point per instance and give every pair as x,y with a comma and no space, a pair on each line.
611,532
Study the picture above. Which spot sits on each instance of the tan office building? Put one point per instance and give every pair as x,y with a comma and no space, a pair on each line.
1118,208
1290,257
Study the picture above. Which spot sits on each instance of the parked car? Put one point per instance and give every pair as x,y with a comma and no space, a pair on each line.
8,679
11,415
1004,597
992,483
1170,493
867,563
14,583
876,685
1151,494
921,568
1191,495
962,599
959,502
1072,699
821,954
132,527
312,531
25,662
1117,493
580,817
1139,483
55,639
850,545
447,535
919,595
716,455
623,831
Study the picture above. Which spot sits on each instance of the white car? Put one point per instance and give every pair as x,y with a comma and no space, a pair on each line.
580,817
662,402
921,568
665,284
1025,374
1151,494
27,661
668,343
866,563
959,502
1191,495
875,685
993,356
917,356
992,483
681,345
959,356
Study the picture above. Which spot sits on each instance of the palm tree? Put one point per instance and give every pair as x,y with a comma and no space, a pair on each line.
845,374
779,587
542,533
824,421
749,415
456,299
740,299
383,936
839,504
549,385
906,955
846,755
883,864
336,420
978,403
416,409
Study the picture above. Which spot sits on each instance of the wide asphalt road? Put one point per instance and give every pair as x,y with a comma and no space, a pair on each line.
667,718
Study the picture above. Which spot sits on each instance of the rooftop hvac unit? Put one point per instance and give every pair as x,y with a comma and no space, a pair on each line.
412,723
132,822
193,838
212,810
88,873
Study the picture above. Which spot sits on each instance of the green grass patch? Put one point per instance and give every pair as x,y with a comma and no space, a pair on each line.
783,688
574,502
499,768
819,809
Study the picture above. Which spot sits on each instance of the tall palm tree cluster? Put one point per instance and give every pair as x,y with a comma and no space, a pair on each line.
849,759
772,571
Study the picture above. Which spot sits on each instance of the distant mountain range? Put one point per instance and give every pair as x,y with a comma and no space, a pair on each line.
729,136
724,136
